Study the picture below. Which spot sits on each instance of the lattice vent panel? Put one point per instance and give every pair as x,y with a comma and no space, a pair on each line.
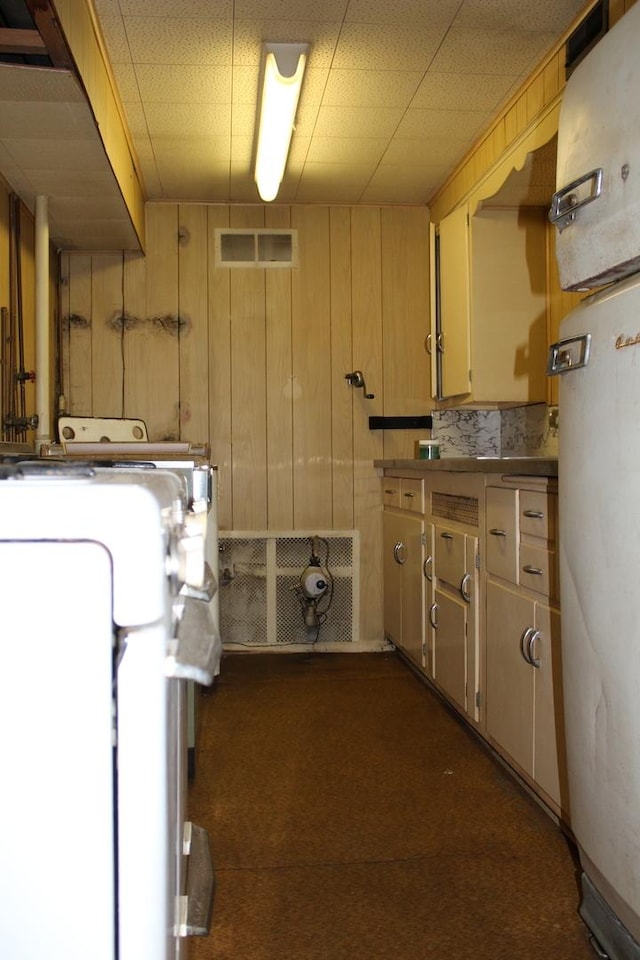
453,507
259,574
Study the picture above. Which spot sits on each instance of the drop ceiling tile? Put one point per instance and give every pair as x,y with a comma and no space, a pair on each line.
386,46
432,152
313,85
188,119
29,85
249,36
332,182
115,38
51,155
210,188
92,208
357,121
306,119
298,150
180,41
243,120
352,150
371,88
136,119
191,155
57,121
245,85
70,182
183,84
200,9
290,9
402,11
525,16
241,154
126,81
452,91
486,52
107,8
442,124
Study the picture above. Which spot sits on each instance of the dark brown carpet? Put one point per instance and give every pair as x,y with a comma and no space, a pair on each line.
352,817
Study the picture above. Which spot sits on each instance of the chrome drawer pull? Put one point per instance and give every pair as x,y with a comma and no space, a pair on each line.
533,636
495,532
433,609
464,583
391,491
535,571
396,553
447,536
534,514
526,633
409,495
427,566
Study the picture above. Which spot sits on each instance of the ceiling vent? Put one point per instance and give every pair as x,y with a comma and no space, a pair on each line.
586,35
256,248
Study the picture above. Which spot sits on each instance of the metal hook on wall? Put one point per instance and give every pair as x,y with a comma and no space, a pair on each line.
356,379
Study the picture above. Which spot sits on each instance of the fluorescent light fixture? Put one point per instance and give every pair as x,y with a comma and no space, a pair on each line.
283,69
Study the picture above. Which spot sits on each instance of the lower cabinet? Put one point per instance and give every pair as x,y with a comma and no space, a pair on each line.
403,582
524,685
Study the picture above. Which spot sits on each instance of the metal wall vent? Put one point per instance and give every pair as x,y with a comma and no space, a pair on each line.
586,35
258,574
450,506
256,248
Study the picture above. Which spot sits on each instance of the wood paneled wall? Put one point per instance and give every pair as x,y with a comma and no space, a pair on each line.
254,360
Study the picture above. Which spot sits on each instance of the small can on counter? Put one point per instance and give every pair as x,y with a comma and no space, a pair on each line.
428,450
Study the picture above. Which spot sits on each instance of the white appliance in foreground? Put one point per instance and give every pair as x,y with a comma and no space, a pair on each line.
97,856
598,358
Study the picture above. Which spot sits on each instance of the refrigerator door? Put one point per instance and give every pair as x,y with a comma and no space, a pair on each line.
599,457
597,205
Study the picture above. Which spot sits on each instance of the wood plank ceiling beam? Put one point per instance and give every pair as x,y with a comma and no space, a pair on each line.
16,41
45,18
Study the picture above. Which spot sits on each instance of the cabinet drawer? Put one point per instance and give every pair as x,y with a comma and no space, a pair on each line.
449,556
411,495
538,569
538,511
391,491
502,533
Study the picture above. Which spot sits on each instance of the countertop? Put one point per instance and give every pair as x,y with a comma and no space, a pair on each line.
516,465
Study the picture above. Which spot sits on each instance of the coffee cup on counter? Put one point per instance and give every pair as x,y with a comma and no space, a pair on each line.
428,450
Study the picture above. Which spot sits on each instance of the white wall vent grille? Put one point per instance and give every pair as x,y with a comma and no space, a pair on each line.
256,248
258,575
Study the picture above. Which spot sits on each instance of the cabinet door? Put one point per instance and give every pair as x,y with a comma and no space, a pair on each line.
510,683
412,590
449,614
429,599
502,533
549,758
454,303
449,556
393,553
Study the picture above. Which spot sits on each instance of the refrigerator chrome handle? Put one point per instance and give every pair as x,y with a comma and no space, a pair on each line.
566,202
569,354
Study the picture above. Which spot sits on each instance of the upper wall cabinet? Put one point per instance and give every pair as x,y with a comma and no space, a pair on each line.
490,300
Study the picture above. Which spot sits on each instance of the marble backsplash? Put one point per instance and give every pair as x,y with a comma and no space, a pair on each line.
517,430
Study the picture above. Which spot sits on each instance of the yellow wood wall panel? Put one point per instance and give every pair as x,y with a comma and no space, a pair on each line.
248,386
219,310
63,333
158,363
366,252
342,398
311,332
193,333
107,335
405,322
279,385
535,98
80,324
28,276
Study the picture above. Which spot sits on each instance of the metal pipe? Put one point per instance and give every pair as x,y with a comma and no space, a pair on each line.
43,360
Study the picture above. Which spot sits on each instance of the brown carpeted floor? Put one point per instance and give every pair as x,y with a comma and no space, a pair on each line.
352,817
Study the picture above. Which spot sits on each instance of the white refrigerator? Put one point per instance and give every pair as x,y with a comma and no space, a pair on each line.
597,213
